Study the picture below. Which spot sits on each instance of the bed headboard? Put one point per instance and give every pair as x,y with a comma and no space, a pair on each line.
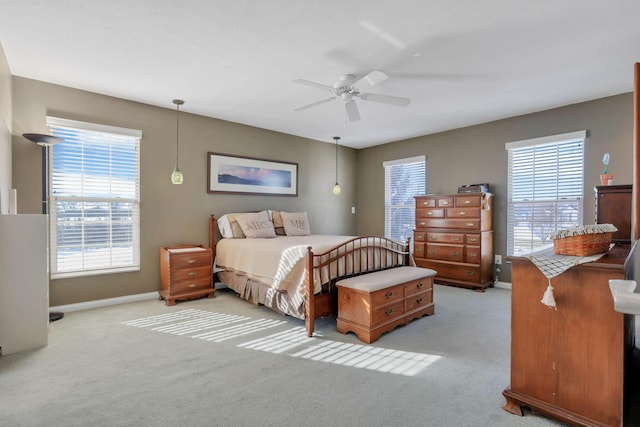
213,235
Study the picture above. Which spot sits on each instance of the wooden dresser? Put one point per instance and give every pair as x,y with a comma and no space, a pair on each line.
569,363
185,273
613,206
454,237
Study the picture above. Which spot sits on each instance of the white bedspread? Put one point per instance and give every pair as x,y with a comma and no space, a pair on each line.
278,261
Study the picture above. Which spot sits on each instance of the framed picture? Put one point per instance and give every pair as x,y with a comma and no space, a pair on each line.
248,175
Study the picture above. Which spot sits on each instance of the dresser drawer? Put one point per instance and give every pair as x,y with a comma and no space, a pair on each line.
430,213
386,313
445,252
437,237
462,224
444,202
419,236
473,239
463,213
458,272
468,201
422,202
387,296
190,260
472,254
418,249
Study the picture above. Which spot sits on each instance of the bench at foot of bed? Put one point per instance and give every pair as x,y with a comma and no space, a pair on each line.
374,303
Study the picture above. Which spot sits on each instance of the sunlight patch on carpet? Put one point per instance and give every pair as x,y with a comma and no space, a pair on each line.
293,342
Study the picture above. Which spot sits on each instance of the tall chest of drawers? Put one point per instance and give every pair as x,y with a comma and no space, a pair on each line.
454,237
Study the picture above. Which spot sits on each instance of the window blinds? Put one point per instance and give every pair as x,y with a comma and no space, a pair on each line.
546,187
404,179
94,199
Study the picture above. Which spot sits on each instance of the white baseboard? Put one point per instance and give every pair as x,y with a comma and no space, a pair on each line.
104,302
503,285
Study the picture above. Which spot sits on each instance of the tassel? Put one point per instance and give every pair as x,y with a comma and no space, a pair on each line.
547,298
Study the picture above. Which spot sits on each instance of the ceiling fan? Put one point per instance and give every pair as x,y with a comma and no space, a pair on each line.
346,90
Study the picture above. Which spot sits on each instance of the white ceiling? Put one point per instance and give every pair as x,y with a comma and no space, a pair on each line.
462,62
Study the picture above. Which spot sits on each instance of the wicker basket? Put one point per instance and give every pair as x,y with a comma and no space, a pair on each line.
583,241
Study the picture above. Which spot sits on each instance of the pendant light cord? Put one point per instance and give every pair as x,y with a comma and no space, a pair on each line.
337,138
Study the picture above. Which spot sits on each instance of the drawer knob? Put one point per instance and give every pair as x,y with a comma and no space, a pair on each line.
423,224
425,203
429,213
455,253
467,202
473,254
469,273
389,294
463,213
389,312
455,239
191,260
433,251
192,273
193,285
434,237
420,285
473,240
444,203
419,300
471,224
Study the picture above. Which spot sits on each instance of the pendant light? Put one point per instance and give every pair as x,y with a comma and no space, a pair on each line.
336,188
176,176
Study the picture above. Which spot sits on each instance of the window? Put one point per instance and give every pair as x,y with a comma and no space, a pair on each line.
546,186
94,199
403,179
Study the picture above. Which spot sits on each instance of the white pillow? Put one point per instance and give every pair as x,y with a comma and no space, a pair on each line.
296,223
256,225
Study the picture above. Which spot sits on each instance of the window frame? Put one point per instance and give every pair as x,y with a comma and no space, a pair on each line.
59,127
409,204
572,188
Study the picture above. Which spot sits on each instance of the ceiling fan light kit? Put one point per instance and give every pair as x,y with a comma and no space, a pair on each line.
346,90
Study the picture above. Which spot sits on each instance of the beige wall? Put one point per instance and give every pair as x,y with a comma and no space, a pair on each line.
173,214
5,133
477,154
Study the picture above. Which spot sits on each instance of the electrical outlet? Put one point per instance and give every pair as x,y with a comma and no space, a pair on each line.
498,260
353,209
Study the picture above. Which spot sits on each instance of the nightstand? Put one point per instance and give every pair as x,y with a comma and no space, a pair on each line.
185,273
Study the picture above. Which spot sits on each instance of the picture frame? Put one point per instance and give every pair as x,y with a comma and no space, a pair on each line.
250,175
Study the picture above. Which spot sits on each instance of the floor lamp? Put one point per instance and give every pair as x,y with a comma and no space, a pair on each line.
45,141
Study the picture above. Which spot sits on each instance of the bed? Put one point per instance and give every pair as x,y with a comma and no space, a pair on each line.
296,274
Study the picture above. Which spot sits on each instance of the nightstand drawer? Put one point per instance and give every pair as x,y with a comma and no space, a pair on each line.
190,260
190,285
190,274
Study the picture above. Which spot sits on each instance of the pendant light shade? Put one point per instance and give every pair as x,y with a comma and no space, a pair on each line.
176,175
336,188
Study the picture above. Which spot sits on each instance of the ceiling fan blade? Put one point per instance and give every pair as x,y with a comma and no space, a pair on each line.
352,111
314,84
385,99
304,107
373,78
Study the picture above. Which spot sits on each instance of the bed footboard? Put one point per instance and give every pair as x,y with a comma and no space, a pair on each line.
357,256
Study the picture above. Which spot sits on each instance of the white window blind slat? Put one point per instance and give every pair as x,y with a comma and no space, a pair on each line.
94,199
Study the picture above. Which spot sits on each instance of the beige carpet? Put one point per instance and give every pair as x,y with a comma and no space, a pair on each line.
224,362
